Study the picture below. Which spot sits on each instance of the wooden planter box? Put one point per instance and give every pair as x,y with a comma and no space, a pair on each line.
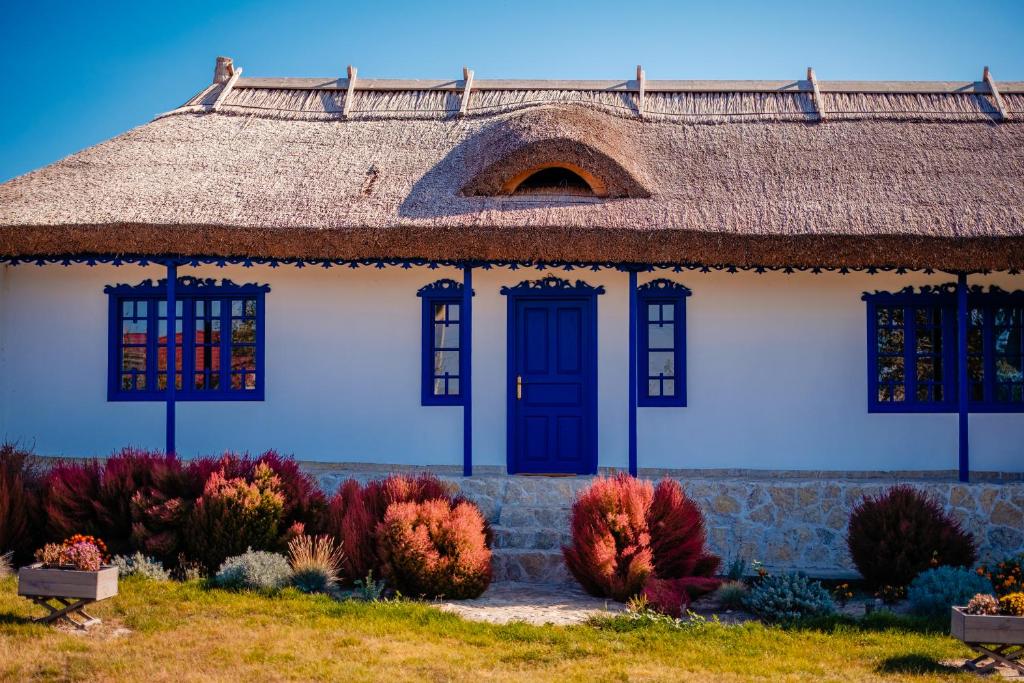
38,582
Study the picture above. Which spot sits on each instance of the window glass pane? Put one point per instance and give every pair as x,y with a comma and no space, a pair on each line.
926,369
890,341
200,307
1009,369
243,358
134,358
236,308
661,336
669,388
439,312
243,331
654,312
660,363
250,308
890,369
453,312
653,387
668,311
446,362
446,336
453,386
439,386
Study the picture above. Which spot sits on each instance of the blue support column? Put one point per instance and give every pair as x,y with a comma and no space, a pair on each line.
962,380
466,383
172,332
632,373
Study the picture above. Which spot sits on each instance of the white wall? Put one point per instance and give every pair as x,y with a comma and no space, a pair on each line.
777,374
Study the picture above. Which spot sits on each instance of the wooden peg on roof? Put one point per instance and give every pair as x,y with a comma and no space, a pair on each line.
467,79
350,92
819,105
226,89
1004,113
641,86
223,69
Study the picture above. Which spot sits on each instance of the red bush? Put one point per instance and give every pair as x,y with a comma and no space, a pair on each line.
895,536
435,549
96,497
20,514
355,512
628,535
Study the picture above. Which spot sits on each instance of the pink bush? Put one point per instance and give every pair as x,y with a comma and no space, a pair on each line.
20,513
435,549
631,538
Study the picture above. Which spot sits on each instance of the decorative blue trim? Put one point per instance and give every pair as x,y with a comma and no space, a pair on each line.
170,285
552,285
664,292
633,459
221,261
945,297
443,287
444,291
187,290
467,371
664,286
962,396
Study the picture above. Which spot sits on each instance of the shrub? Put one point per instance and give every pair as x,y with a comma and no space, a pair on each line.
20,514
355,513
1012,605
788,597
234,514
934,591
314,563
983,603
140,565
109,498
304,502
731,594
254,570
842,594
1007,576
895,536
627,533
435,548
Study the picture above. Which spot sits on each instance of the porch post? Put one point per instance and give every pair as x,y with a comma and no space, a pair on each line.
632,372
171,363
466,381
962,386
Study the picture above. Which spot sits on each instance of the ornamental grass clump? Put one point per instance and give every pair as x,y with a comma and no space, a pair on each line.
934,591
788,597
139,565
631,538
20,513
902,532
6,564
234,514
314,563
254,570
436,549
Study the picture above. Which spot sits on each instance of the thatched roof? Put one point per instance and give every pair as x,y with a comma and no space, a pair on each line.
900,174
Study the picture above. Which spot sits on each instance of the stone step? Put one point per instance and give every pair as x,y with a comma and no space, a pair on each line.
530,538
543,566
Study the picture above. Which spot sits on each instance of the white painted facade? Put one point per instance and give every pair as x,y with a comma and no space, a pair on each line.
777,374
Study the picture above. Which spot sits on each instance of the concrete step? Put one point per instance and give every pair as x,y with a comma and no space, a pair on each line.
544,566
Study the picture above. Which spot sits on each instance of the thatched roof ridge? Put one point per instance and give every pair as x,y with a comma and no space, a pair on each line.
924,177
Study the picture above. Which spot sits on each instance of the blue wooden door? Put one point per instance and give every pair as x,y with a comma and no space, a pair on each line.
553,385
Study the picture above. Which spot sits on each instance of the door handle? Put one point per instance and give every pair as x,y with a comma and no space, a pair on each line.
519,387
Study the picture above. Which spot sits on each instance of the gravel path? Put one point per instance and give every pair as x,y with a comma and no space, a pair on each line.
533,603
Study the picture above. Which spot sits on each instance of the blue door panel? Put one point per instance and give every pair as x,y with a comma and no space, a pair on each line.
553,349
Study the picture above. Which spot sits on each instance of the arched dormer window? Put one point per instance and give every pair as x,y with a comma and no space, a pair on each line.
552,180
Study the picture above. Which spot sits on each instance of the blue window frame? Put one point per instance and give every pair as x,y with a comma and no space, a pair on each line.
661,343
218,341
443,341
912,350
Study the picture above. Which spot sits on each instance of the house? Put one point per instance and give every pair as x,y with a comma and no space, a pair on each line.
753,284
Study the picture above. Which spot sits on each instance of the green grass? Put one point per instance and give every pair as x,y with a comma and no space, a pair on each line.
186,632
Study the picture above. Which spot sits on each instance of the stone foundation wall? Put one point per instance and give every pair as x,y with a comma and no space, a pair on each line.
787,522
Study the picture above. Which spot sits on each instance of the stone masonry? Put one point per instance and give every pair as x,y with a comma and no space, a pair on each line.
787,522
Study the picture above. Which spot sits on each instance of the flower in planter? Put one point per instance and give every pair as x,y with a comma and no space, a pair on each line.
83,556
83,553
983,603
1012,605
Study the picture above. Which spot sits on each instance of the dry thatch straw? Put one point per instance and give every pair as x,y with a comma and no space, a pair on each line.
910,179
315,562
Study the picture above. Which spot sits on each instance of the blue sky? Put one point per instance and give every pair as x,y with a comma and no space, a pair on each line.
77,73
